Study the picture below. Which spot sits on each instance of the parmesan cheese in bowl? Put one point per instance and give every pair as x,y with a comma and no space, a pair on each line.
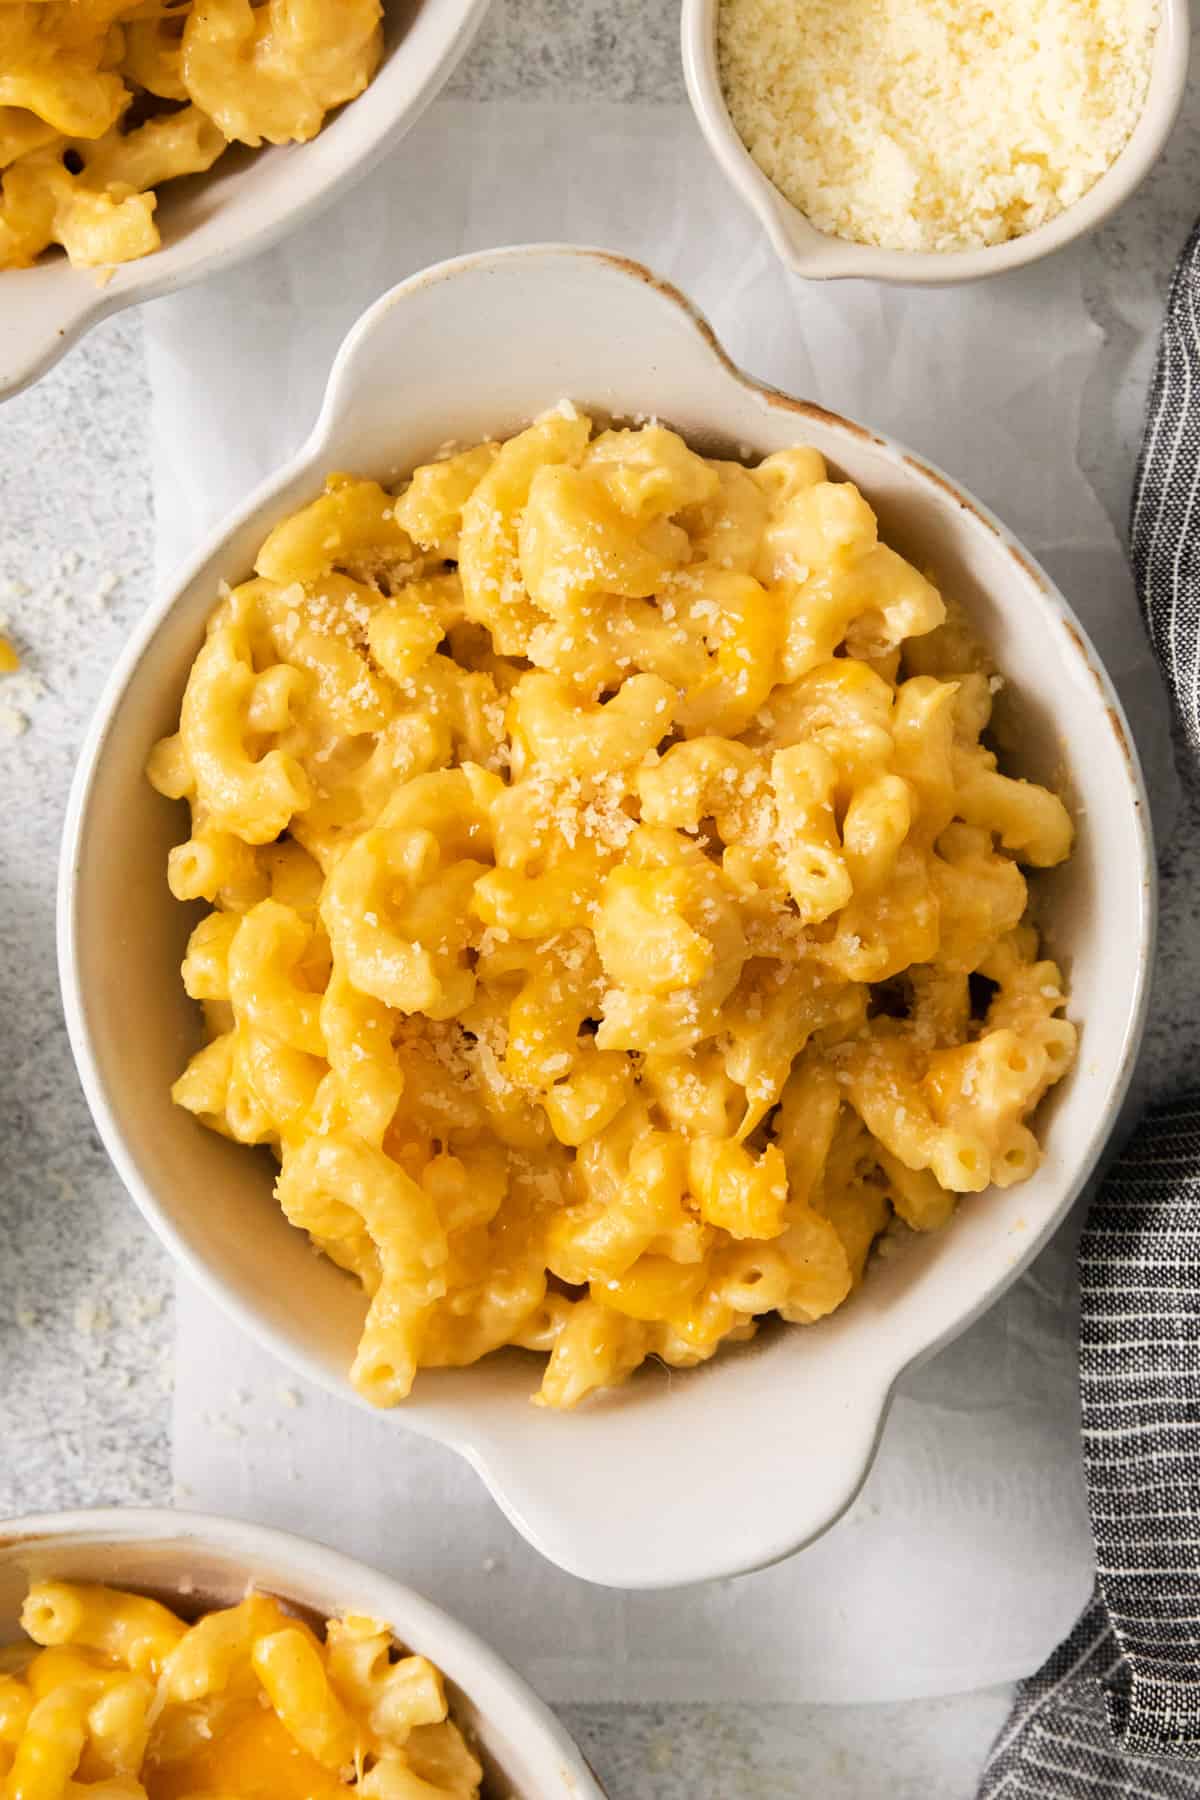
933,140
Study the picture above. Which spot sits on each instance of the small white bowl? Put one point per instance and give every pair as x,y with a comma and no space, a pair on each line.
203,1562
739,1462
247,202
807,251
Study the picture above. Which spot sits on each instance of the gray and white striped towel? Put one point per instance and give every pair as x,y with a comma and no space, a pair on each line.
1116,1709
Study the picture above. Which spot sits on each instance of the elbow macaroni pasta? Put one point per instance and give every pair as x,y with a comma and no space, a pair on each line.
126,1701
618,913
102,100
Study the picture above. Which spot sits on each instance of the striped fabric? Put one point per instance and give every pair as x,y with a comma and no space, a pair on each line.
1139,1371
1164,542
1056,1743
1116,1709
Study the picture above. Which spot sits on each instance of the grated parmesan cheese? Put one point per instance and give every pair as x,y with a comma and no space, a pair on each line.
934,124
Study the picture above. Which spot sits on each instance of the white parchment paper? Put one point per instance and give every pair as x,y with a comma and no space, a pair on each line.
968,1554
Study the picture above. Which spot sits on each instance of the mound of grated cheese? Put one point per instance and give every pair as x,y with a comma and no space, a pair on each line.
934,124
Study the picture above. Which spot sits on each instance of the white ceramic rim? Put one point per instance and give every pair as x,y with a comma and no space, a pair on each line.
308,462
415,1620
819,257
83,304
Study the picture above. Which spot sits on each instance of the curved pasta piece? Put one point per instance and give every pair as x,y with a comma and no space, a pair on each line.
804,780
549,726
154,55
884,1085
981,897
356,1029
395,904
803,1274
327,1185
131,1629
597,1347
707,777
879,935
547,1014
650,473
842,583
289,1666
670,939
252,799
22,131
51,1744
726,529
840,704
739,1193
1029,820
740,624
575,540
264,979
488,558
52,64
647,1171
768,1022
352,526
431,507
272,72
581,1103
213,1651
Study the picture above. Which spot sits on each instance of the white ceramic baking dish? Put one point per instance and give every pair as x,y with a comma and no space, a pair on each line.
194,1562
666,1480
248,201
813,253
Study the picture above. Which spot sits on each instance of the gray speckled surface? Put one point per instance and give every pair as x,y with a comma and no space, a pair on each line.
85,1293
84,1290
575,49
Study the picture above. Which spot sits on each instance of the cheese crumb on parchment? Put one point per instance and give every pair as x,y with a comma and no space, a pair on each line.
934,124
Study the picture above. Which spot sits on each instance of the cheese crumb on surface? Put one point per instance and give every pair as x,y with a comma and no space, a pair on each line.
934,124
92,1318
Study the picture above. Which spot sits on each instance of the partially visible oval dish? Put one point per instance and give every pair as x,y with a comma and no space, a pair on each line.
194,1562
246,203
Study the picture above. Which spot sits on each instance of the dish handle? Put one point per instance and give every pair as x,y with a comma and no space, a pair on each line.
41,316
493,339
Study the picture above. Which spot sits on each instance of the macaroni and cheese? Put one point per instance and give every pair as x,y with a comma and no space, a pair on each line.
126,1701
102,100
617,913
